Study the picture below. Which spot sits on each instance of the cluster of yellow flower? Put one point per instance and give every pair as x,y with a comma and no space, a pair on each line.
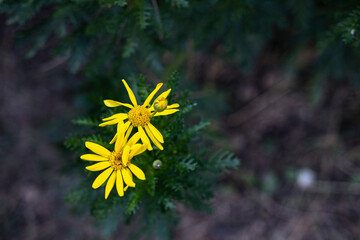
117,165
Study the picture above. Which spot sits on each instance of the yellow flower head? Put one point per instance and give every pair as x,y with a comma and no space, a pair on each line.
139,116
117,165
160,104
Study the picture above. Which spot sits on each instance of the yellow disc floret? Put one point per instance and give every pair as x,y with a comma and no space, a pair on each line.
139,116
115,160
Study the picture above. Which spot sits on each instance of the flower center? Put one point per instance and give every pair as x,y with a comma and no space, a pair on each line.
139,116
115,160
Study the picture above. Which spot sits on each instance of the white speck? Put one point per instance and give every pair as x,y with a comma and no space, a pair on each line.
305,178
352,31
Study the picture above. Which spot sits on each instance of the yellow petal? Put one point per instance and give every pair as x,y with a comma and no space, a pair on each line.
175,105
126,126
137,171
120,133
112,103
98,166
152,94
114,139
110,184
164,94
127,177
111,122
96,148
127,134
102,178
156,133
121,116
131,94
131,176
120,128
153,139
144,138
119,183
134,139
125,155
166,112
93,157
138,150
134,148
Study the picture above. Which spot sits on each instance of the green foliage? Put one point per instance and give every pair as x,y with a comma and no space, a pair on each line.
110,37
91,33
224,160
187,175
349,28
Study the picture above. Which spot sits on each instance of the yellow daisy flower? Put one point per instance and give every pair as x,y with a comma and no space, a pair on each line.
139,116
117,165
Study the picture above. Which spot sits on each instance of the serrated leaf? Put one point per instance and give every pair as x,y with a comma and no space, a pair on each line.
224,160
130,47
187,108
133,205
187,163
198,127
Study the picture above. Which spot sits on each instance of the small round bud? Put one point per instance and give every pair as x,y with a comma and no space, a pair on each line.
160,104
157,164
352,31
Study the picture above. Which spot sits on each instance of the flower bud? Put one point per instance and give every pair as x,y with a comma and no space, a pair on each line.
157,164
160,104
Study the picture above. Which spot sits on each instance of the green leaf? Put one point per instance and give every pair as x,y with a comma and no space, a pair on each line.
224,160
198,127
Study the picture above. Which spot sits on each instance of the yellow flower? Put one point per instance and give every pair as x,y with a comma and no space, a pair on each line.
117,165
160,104
139,116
